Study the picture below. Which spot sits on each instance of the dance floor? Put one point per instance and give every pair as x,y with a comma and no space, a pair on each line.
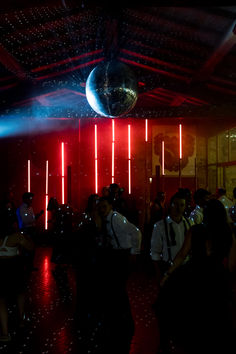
50,304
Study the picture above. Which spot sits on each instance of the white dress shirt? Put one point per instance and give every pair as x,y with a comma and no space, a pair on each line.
128,235
26,217
159,248
197,215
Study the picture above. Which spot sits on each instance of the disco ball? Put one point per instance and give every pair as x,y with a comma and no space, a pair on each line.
111,89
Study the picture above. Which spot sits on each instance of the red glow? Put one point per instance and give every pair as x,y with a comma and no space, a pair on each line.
146,130
129,157
46,198
61,62
28,175
157,61
180,141
57,73
163,158
176,76
113,153
62,174
96,158
46,279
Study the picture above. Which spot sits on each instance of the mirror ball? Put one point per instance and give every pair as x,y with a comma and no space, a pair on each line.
112,89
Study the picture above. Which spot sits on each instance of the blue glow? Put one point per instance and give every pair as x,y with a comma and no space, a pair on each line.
35,119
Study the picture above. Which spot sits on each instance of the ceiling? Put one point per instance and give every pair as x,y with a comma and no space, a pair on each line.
184,57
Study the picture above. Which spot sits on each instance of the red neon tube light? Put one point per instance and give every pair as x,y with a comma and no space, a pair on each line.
129,157
28,175
113,153
146,130
46,198
180,141
162,158
62,174
96,157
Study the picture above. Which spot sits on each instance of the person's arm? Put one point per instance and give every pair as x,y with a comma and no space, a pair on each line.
39,214
123,226
180,257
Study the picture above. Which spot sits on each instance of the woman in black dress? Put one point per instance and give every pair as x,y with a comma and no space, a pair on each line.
194,303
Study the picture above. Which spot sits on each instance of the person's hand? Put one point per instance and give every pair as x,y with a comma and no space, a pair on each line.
164,279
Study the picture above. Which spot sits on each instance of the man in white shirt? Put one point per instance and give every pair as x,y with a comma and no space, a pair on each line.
200,198
123,241
123,234
168,235
167,239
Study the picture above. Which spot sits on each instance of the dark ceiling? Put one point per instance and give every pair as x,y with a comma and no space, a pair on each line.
184,57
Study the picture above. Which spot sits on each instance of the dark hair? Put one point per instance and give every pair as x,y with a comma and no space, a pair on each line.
200,194
214,213
52,204
221,191
179,195
217,227
108,199
91,200
27,195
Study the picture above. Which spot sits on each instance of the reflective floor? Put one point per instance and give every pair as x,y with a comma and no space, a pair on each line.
50,304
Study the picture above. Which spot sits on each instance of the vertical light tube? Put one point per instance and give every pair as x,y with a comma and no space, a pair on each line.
162,158
96,157
46,198
180,141
28,175
62,174
129,157
113,153
146,130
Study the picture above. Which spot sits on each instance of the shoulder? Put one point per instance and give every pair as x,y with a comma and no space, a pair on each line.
118,217
159,225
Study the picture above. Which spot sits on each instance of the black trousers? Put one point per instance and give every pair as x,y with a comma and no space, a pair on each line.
114,300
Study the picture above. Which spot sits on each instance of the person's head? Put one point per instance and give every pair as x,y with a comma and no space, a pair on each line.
104,206
161,196
114,190
201,196
27,198
220,192
177,206
105,191
52,204
214,213
93,200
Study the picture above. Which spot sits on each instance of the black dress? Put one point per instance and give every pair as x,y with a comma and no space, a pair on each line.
194,304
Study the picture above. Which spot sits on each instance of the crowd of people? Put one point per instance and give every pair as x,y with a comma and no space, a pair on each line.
190,242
